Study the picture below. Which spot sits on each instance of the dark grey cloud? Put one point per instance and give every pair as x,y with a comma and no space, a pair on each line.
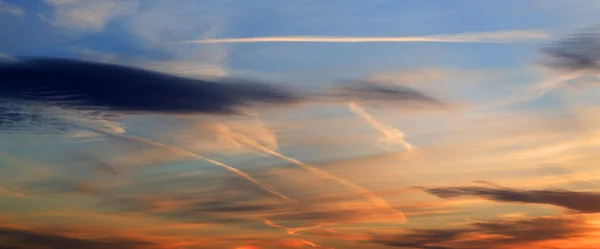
98,86
425,239
585,202
580,51
490,234
371,93
189,208
25,239
102,88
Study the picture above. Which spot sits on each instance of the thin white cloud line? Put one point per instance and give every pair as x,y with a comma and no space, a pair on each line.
488,37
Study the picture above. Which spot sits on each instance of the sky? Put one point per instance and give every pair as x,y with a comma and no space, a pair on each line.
270,124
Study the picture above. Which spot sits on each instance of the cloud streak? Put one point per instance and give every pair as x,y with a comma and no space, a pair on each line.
585,202
577,52
485,37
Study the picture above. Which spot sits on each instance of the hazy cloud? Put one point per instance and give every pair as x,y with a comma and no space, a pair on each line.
19,117
89,15
86,85
580,51
380,94
95,55
11,9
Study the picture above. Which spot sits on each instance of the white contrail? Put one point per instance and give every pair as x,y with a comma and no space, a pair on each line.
390,133
488,37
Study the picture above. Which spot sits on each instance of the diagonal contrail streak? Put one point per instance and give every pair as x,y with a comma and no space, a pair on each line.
390,133
240,173
378,201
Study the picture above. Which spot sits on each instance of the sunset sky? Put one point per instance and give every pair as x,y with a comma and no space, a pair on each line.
267,124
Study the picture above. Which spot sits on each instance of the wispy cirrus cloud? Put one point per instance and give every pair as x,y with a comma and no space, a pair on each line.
492,37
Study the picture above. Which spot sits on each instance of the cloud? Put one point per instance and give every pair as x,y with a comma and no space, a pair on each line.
189,67
94,55
578,52
494,234
493,36
380,94
585,202
12,9
60,187
19,238
89,15
92,86
89,85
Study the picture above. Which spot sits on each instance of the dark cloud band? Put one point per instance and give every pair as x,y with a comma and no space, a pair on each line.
580,51
585,202
90,85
